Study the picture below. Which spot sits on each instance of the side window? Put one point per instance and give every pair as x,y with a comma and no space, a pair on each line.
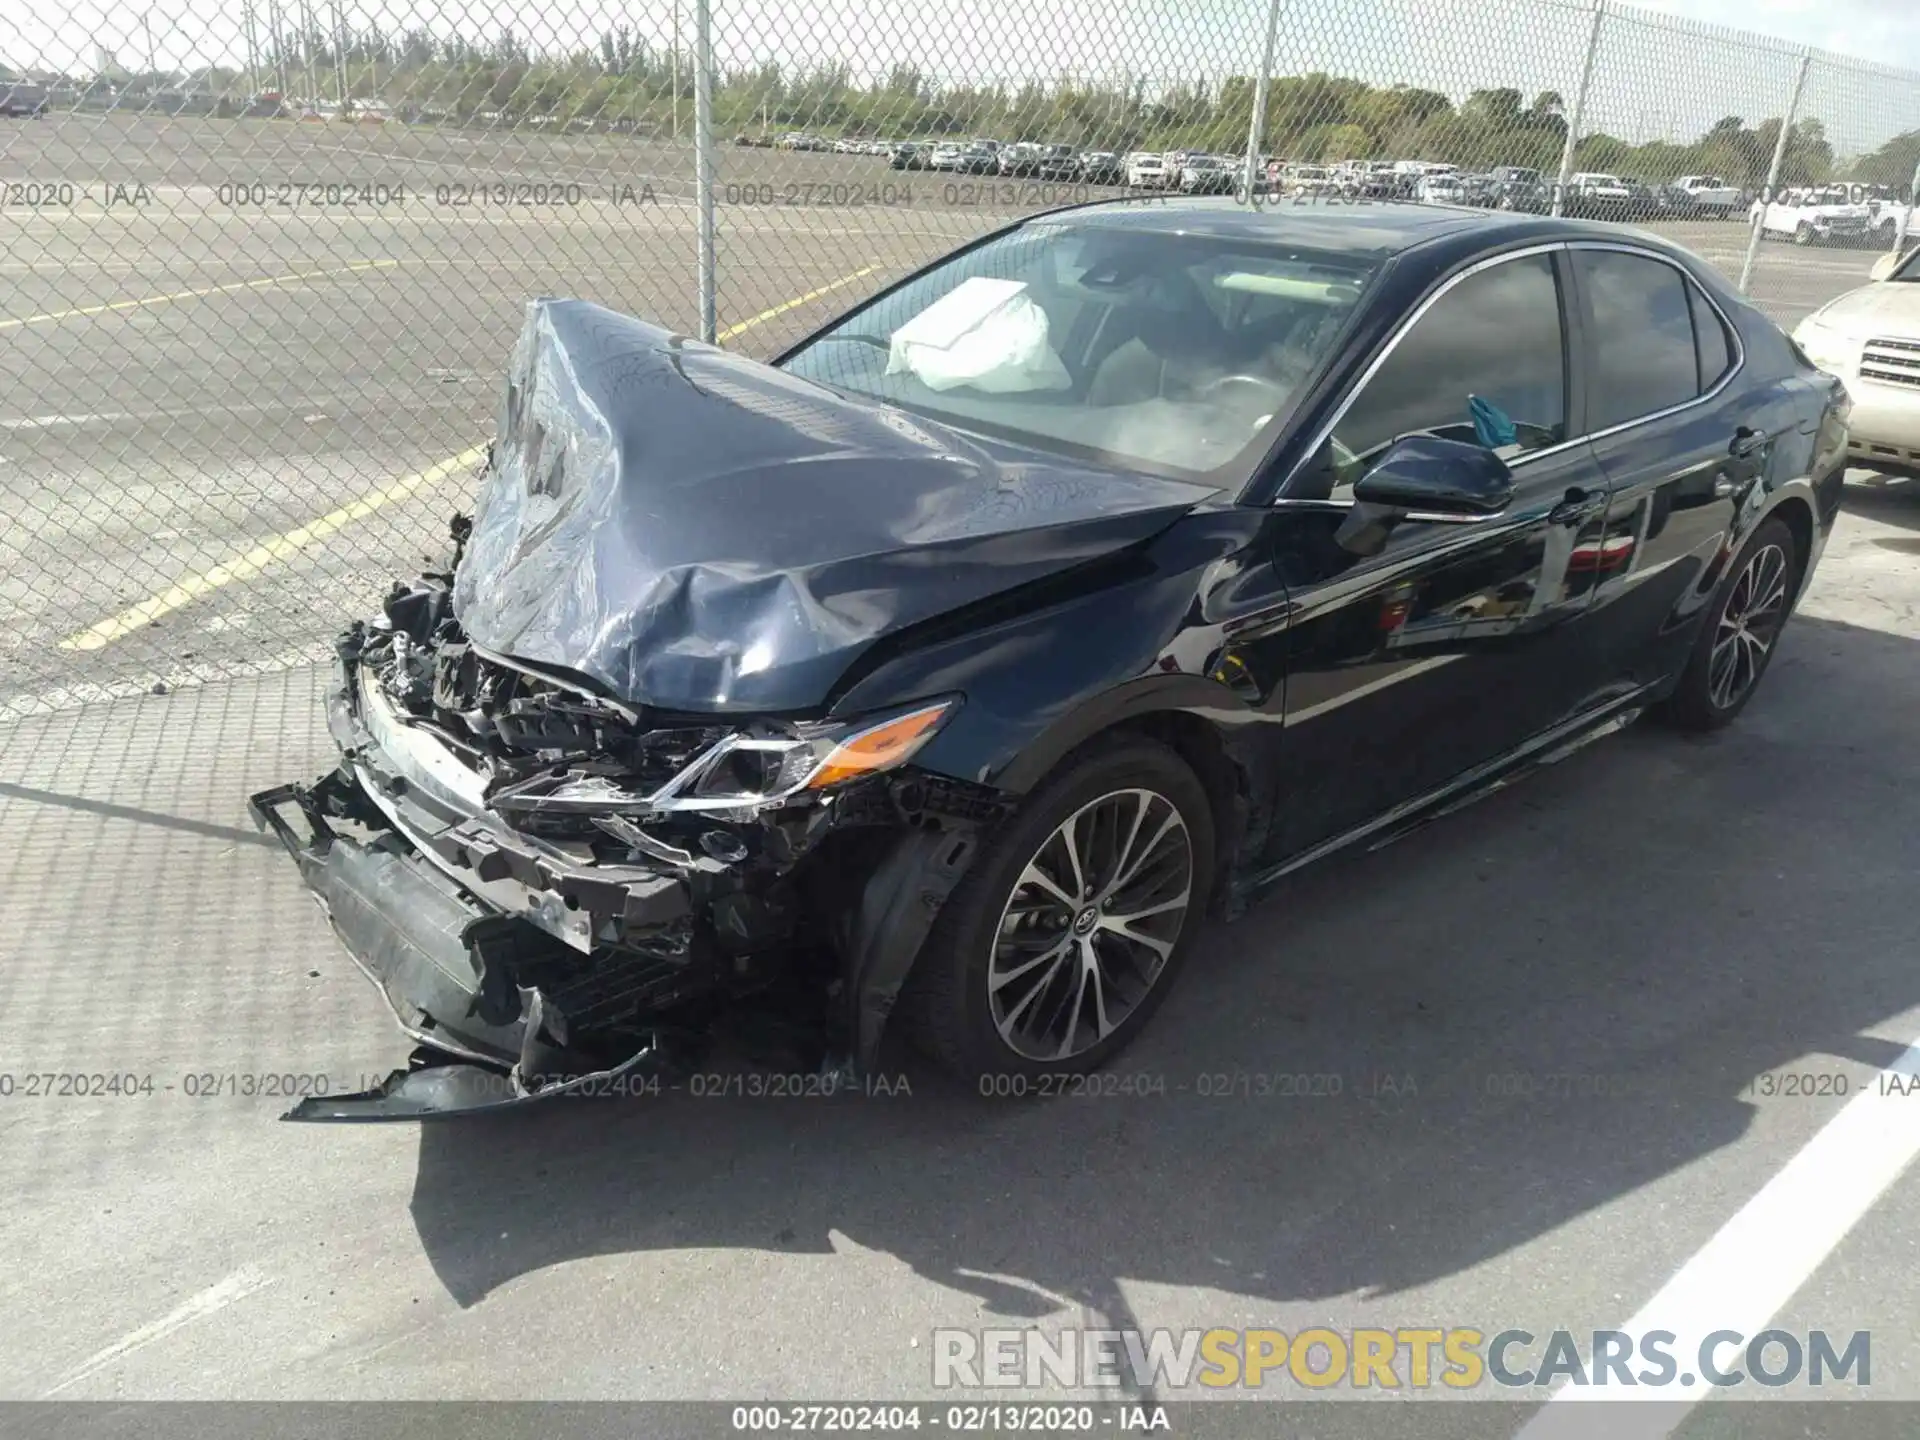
1710,339
1644,359
1485,364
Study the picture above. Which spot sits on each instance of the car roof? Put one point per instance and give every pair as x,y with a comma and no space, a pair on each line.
1376,228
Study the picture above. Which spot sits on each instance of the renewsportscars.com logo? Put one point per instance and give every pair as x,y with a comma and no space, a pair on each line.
1459,1358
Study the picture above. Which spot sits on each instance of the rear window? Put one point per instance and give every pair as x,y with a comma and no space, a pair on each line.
1642,341
1710,340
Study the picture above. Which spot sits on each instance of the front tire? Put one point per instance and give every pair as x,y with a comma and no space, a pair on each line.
1071,926
1741,633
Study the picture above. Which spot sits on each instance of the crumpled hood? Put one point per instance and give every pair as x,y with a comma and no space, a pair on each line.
700,531
1890,308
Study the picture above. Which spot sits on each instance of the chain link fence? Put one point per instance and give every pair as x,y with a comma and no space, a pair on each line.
260,266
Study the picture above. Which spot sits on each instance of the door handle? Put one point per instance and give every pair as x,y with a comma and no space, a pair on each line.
1576,506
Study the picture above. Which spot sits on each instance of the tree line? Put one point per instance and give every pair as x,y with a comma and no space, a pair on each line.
1310,118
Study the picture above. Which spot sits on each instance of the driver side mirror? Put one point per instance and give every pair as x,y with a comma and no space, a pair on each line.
1428,475
1884,267
1442,477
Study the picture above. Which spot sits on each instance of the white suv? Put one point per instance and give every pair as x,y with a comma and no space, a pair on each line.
1150,172
1870,338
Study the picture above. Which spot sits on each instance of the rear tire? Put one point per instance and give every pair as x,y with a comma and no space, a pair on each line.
1740,634
1065,936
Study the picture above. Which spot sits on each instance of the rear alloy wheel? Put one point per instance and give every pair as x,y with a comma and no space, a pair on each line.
1737,643
1072,923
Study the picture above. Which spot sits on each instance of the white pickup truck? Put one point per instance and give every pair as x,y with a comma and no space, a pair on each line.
1820,215
1710,194
1890,212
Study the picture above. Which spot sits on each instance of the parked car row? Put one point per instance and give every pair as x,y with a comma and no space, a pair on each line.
1833,214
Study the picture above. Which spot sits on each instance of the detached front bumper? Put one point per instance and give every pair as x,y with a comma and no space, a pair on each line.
522,965
448,969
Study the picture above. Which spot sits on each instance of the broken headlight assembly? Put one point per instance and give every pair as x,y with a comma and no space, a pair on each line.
746,771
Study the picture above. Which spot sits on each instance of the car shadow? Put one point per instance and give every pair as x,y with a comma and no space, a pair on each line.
1886,496
1501,1022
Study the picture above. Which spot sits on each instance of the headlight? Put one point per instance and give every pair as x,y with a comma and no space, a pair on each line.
749,769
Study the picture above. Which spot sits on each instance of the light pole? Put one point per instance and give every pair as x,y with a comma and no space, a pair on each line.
276,26
306,49
339,54
253,49
673,60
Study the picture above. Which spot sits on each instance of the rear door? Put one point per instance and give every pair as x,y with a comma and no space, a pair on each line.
1681,443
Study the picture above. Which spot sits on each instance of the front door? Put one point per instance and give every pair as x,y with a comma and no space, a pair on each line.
1416,656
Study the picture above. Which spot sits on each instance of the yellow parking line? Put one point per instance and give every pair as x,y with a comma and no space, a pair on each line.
262,555
227,289
279,547
795,303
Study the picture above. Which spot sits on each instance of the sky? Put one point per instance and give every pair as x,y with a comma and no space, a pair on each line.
1662,68
1884,30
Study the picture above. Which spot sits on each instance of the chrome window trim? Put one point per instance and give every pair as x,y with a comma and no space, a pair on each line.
1519,462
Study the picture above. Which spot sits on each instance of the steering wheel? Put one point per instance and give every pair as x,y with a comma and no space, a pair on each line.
1267,388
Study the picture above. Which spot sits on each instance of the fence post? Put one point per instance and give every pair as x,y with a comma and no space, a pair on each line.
1579,109
703,159
1256,128
1773,173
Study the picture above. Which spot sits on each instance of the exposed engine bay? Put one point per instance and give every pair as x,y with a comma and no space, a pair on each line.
555,888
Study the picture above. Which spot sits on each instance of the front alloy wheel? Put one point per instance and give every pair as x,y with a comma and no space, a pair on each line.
1087,931
1072,923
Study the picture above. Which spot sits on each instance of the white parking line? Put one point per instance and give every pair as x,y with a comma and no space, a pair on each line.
242,1283
1750,1269
268,282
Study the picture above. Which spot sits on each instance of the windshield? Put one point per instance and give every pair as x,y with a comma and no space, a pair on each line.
1173,353
1908,269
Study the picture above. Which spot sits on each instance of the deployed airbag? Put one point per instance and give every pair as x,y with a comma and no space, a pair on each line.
985,333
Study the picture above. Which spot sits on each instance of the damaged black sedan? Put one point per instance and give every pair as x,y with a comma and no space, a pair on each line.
942,674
